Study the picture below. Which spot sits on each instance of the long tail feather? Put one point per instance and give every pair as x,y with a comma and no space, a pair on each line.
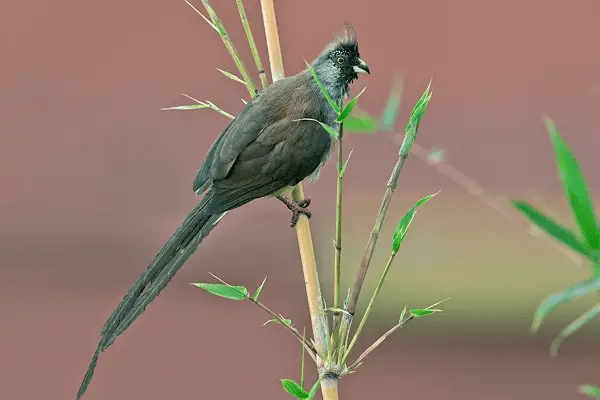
171,257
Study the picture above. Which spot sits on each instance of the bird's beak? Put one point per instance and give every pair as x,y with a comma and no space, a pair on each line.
362,68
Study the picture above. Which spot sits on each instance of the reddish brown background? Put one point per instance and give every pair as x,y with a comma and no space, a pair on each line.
94,179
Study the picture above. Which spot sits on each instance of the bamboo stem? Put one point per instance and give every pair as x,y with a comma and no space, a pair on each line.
307,252
270,22
363,321
261,71
338,220
368,254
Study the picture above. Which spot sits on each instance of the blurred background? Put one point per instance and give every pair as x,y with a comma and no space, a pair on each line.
95,178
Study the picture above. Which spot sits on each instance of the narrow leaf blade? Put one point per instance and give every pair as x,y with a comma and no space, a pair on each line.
578,290
590,390
551,227
402,314
405,222
226,291
573,327
345,113
259,289
231,76
343,169
331,130
293,389
287,322
188,107
314,390
418,111
575,188
422,312
322,88
360,124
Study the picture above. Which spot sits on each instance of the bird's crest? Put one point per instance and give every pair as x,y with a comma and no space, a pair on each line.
348,38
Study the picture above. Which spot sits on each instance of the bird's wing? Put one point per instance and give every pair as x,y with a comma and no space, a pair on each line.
282,155
232,141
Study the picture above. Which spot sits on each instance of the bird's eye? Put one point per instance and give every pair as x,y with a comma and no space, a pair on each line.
341,60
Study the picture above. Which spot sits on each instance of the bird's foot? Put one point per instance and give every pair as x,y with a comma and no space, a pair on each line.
296,208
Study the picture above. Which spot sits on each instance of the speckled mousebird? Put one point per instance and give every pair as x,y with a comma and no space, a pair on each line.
264,152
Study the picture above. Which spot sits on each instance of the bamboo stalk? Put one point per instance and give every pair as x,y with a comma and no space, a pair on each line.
270,22
307,253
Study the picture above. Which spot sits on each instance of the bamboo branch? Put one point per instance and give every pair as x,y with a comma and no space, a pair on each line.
329,385
239,63
261,71
368,253
363,321
305,344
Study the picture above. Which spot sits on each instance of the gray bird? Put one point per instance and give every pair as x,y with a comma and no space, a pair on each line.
264,152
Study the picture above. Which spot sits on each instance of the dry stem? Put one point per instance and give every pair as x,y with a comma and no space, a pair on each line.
307,252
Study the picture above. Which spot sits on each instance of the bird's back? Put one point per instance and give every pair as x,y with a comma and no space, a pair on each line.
268,133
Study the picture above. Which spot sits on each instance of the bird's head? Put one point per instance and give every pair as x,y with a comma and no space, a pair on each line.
339,64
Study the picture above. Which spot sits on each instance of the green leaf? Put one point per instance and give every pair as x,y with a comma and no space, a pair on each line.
360,124
418,111
392,107
590,390
338,310
294,389
575,188
332,131
405,222
552,228
343,169
402,315
349,107
287,322
314,389
420,312
190,107
578,290
231,76
412,127
574,327
227,291
260,288
322,88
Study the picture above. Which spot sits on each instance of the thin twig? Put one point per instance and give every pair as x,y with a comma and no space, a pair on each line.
202,15
368,254
378,342
239,63
363,321
261,71
400,324
308,346
210,105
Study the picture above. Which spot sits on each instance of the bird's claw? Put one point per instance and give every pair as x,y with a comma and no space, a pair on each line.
296,208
